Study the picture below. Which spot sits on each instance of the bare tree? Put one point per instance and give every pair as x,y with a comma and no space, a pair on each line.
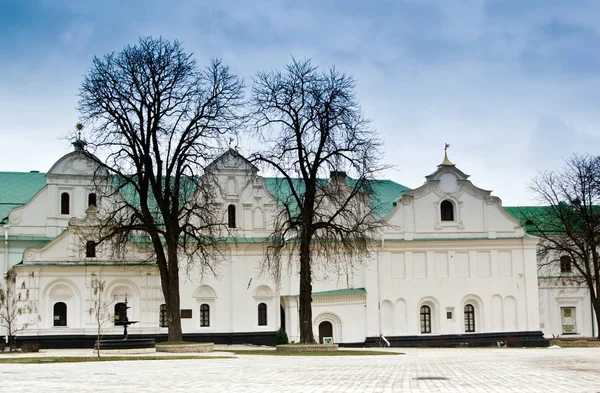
14,308
312,128
568,223
157,121
100,310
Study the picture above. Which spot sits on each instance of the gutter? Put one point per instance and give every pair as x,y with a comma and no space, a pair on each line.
5,270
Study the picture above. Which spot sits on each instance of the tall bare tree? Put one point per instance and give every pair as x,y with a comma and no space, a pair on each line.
312,128
568,223
157,121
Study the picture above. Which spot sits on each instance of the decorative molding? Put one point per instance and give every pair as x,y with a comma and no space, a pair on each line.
334,319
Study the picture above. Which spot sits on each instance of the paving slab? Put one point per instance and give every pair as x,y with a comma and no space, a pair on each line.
419,370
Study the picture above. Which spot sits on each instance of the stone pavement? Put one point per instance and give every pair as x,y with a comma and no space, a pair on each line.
571,370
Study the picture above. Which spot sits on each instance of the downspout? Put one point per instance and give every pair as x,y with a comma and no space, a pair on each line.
379,286
593,316
5,270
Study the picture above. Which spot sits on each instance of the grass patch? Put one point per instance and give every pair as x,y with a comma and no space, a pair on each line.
310,353
82,359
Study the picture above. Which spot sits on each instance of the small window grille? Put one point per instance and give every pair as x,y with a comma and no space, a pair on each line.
447,211
425,319
90,249
231,216
60,314
204,315
162,316
64,203
262,314
469,318
92,199
565,264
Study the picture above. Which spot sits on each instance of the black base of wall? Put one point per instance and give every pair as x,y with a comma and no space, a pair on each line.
510,339
88,341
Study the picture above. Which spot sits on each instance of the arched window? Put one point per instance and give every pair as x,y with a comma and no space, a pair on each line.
447,211
231,216
425,319
64,203
90,249
92,199
120,313
469,318
162,316
60,314
204,315
262,314
565,264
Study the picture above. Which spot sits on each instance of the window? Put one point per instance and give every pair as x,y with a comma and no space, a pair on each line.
64,203
162,316
469,318
90,249
204,315
447,211
120,313
92,199
231,216
425,319
565,264
262,314
60,314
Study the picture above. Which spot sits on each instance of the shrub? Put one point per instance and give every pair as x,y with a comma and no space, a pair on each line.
281,337
30,347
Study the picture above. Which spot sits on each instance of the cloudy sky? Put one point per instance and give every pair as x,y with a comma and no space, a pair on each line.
512,85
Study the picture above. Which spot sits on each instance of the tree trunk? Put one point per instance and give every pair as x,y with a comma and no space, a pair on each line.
171,293
596,306
306,328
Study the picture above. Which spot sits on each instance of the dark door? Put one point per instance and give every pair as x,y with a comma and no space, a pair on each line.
325,330
282,318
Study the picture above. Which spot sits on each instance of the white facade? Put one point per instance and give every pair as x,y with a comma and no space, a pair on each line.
477,260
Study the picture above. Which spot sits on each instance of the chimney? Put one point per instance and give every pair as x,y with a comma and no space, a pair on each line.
338,176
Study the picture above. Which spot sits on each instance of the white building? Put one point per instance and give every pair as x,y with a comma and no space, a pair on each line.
453,267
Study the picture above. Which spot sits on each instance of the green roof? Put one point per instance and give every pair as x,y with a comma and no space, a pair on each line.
383,197
17,188
533,218
340,292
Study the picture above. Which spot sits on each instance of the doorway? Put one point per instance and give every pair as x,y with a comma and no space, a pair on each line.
568,320
325,330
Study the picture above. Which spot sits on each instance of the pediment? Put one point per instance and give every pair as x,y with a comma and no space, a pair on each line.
232,161
447,181
78,163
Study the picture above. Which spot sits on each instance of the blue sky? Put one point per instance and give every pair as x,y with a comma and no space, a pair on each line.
513,86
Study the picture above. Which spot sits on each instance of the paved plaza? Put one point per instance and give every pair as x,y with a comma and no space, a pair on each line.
571,370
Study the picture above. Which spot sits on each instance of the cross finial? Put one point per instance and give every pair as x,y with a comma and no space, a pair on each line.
79,128
446,146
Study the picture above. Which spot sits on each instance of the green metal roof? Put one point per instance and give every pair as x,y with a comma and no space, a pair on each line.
534,218
383,197
17,188
340,292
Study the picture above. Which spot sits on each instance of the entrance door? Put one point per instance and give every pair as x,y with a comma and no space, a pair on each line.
325,330
568,320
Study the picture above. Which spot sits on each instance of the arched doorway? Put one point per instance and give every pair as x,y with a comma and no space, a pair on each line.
325,330
282,317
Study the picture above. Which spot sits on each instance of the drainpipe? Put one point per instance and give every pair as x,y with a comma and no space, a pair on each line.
379,285
593,317
5,271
